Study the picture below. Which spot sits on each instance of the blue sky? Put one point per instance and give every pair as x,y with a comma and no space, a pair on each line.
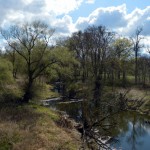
67,16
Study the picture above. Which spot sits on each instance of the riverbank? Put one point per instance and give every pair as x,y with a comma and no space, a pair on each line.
34,127
139,99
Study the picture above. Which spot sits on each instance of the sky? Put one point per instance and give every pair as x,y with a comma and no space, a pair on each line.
68,16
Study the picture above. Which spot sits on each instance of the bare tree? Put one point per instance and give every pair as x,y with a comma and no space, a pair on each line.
91,47
99,43
136,47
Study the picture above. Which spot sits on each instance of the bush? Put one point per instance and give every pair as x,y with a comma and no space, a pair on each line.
41,91
9,91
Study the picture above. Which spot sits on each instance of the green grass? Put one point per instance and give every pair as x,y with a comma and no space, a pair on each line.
33,127
45,111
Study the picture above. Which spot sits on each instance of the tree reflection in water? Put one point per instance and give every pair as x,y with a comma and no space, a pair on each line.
98,122
133,132
128,128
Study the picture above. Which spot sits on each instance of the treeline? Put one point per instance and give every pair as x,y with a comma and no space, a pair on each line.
81,64
111,58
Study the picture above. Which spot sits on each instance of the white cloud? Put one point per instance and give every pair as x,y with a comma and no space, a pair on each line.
10,9
62,6
138,18
90,1
111,17
64,25
55,13
49,11
146,44
117,19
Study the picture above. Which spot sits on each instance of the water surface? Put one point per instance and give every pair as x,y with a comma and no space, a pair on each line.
132,130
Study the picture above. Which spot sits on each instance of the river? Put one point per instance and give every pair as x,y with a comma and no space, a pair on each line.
132,131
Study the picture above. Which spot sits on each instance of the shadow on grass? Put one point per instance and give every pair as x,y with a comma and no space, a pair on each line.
33,127
18,113
16,123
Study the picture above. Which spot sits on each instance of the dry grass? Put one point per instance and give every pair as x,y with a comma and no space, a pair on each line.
140,94
34,127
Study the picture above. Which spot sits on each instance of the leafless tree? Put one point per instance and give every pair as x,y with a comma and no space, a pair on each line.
136,47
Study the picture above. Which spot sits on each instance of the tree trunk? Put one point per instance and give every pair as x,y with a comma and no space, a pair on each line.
119,74
112,79
124,79
105,76
28,92
136,67
97,90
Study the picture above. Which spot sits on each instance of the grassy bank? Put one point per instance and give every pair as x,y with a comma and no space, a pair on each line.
34,127
139,94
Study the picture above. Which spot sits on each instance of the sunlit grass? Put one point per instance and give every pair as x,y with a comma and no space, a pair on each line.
34,127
